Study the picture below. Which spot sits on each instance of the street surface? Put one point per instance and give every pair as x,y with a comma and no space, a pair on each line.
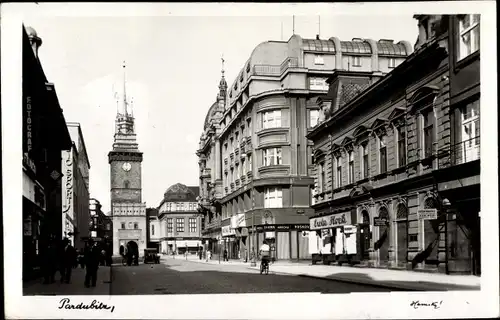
177,276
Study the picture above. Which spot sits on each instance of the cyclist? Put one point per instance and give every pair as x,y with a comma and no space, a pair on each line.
264,254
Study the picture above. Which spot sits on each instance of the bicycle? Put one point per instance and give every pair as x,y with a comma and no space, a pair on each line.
264,267
124,261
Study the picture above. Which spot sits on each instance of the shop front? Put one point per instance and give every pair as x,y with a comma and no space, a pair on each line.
287,241
239,248
335,238
229,242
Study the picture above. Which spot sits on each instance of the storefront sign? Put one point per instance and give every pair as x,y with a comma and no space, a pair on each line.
227,231
282,227
350,229
244,232
240,220
379,222
427,214
29,142
331,221
67,185
29,163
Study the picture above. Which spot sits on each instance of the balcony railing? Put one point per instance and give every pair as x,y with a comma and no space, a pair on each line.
465,151
289,63
266,70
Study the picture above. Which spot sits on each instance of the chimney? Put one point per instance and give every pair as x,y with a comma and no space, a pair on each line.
35,41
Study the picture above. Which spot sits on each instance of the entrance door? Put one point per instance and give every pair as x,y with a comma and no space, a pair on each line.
402,234
365,235
384,235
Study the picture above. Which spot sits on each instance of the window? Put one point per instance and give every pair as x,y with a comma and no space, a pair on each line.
383,154
366,161
428,116
271,119
136,225
401,146
179,223
272,156
123,225
170,226
356,61
469,148
318,59
313,118
318,84
351,167
192,225
273,198
243,167
321,169
392,63
152,230
108,226
126,184
339,172
469,35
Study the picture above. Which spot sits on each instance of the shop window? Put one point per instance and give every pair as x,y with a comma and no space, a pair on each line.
468,25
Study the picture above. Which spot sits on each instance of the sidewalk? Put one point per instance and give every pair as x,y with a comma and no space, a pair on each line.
75,287
393,279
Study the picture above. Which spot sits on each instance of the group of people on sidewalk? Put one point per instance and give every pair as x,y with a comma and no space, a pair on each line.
63,257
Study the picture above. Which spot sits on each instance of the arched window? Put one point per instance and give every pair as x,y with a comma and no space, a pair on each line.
401,212
126,184
430,203
383,213
365,217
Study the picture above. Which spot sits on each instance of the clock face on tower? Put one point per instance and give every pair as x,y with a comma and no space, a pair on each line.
126,166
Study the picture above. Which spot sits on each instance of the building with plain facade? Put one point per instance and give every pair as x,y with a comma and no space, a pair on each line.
180,221
153,227
255,159
125,161
45,135
75,189
401,159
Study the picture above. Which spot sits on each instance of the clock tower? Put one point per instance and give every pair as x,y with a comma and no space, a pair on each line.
127,209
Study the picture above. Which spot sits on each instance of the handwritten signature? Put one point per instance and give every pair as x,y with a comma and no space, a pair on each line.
417,304
65,303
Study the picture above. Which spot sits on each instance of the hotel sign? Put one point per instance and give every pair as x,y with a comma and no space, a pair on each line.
67,185
427,214
331,221
238,221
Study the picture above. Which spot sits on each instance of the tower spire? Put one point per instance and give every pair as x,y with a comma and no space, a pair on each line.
222,83
124,90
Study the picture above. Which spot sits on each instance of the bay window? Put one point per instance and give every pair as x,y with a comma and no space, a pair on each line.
271,119
468,43
273,198
271,156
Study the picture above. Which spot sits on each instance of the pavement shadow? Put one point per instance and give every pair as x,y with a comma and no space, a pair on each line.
425,285
226,282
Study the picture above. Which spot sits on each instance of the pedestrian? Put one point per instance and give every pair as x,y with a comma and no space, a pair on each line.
225,255
67,260
49,262
92,263
200,253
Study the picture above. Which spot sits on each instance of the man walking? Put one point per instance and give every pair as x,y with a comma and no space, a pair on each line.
92,253
49,262
67,260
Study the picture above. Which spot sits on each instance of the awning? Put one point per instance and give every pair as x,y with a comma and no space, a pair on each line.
183,243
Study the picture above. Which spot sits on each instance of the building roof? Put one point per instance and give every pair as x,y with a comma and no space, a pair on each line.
318,45
355,47
387,47
181,193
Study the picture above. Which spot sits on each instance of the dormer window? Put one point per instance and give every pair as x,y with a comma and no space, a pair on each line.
356,61
392,63
318,60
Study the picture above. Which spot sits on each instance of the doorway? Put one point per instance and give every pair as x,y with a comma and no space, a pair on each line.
384,235
365,235
401,235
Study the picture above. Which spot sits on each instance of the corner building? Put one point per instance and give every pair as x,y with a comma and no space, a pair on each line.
401,160
127,209
255,160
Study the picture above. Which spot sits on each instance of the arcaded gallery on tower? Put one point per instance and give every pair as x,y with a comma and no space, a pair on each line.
401,159
256,169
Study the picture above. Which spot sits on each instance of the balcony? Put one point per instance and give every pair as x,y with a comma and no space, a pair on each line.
225,161
266,70
465,151
288,63
243,179
232,156
232,186
236,151
237,182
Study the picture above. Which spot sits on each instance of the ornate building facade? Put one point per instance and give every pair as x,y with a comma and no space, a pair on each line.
401,158
125,160
255,160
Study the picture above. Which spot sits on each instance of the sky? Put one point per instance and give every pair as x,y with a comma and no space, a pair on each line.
173,71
